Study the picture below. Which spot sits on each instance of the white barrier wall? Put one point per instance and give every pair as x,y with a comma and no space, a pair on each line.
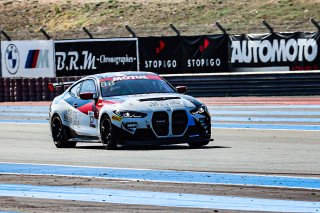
28,58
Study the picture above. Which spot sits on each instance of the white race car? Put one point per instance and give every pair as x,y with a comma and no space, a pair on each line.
128,108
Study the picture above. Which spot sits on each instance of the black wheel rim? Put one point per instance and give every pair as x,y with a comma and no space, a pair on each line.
106,132
56,129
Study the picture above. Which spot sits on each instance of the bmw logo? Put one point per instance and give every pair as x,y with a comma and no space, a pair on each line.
12,59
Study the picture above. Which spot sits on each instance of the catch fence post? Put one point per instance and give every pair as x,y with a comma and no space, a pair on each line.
175,29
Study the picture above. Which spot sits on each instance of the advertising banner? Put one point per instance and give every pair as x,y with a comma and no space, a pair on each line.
27,58
160,54
184,54
207,53
93,56
276,51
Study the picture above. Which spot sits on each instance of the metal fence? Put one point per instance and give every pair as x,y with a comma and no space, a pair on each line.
201,29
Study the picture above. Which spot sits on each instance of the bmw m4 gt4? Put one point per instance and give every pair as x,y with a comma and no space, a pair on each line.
128,108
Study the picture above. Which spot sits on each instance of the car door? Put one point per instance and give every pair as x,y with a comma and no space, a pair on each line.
71,114
86,109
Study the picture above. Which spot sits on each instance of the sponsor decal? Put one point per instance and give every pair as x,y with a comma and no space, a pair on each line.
161,47
12,59
204,45
153,104
156,64
311,67
28,58
71,117
116,118
161,121
88,60
131,77
37,59
172,103
184,54
276,50
116,60
103,84
111,80
87,57
204,62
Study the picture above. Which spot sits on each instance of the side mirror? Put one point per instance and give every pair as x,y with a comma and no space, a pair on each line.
181,89
88,95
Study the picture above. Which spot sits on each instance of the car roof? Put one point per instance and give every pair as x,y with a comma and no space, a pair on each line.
124,73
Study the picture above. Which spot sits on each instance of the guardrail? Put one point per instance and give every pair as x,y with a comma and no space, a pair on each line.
199,85
249,84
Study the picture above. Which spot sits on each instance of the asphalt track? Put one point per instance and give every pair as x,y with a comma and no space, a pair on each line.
266,150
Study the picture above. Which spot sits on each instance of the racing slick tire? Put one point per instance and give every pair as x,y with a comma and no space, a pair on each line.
59,134
108,134
197,144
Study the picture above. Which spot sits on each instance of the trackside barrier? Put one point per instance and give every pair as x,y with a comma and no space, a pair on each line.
30,89
249,84
1,89
201,85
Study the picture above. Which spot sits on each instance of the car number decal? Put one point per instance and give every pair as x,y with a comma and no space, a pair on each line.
91,119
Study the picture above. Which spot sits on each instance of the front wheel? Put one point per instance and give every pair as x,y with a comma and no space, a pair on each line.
198,144
59,135
108,134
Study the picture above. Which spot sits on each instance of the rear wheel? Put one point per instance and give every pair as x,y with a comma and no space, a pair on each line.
108,134
59,135
198,144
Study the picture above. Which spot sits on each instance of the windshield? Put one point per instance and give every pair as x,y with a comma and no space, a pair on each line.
130,86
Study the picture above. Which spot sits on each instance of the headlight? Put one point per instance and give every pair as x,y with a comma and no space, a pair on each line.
199,110
130,114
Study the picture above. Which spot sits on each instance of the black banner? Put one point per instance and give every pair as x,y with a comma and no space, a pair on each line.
276,51
184,54
92,56
190,54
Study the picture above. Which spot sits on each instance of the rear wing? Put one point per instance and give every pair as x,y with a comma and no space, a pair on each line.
61,84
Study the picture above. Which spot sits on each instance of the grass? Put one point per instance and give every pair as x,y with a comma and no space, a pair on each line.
106,18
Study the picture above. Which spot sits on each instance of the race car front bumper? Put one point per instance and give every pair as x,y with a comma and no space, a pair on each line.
194,134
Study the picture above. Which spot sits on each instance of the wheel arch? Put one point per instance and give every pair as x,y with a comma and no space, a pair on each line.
101,116
57,113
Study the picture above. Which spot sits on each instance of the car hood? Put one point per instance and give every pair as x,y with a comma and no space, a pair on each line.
153,102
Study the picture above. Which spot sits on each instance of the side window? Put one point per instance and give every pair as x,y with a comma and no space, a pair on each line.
88,86
74,91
